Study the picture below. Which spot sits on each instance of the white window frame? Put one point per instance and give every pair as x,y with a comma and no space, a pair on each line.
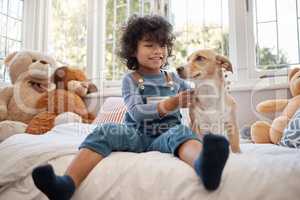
35,26
241,38
157,6
254,72
242,44
4,79
238,47
96,41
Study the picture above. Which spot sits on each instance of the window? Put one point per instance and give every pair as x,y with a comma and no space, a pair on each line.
259,36
276,28
68,32
11,19
117,13
199,24
209,29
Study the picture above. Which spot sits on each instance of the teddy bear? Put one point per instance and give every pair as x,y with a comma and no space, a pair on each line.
30,73
65,103
264,132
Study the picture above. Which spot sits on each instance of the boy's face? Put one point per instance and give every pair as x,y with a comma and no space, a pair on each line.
151,55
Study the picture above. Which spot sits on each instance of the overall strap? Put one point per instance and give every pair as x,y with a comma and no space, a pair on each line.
169,80
139,80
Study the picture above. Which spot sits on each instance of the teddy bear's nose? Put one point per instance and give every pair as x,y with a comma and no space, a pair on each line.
43,62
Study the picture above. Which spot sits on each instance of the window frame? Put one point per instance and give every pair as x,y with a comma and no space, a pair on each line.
36,26
156,6
239,34
241,38
3,78
254,72
96,41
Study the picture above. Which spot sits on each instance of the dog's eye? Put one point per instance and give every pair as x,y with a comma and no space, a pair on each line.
200,58
33,60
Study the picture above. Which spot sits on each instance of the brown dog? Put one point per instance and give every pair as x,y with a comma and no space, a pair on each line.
213,109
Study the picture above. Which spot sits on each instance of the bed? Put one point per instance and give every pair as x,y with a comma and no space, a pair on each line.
262,171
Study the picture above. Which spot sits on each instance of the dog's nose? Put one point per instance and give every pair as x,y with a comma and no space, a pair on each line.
180,69
43,62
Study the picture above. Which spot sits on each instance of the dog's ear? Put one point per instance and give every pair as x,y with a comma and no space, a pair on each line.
224,62
92,88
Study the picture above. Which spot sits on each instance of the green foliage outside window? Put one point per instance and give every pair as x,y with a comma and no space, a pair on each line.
268,60
69,35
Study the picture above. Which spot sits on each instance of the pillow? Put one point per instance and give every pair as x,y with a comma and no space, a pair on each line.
112,110
291,134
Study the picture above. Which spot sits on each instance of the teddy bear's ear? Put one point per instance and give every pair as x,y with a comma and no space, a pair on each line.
9,58
92,88
59,74
292,72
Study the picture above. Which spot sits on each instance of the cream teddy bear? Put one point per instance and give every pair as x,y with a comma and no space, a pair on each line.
264,132
30,73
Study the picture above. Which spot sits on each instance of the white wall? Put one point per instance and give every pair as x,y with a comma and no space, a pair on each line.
247,101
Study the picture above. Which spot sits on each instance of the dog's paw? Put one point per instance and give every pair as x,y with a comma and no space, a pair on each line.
235,149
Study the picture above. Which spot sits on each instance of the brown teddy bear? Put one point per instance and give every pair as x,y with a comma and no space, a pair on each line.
263,132
30,73
65,104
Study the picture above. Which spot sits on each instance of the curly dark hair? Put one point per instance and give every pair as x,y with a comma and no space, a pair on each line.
154,27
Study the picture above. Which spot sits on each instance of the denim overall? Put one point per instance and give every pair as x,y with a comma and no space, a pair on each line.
165,134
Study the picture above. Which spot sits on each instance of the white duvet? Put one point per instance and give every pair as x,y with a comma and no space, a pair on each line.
260,172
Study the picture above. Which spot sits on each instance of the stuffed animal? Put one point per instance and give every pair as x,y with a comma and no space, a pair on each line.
30,73
65,104
264,132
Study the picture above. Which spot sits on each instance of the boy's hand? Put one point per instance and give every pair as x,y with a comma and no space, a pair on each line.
181,100
185,98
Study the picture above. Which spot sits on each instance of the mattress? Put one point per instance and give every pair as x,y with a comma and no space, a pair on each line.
261,171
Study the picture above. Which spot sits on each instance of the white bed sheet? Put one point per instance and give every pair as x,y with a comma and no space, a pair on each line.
260,172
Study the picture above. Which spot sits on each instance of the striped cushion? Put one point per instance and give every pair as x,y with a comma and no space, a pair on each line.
112,110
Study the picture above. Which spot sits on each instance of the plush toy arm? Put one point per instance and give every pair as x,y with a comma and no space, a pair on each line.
271,106
5,95
43,101
292,107
41,123
278,125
